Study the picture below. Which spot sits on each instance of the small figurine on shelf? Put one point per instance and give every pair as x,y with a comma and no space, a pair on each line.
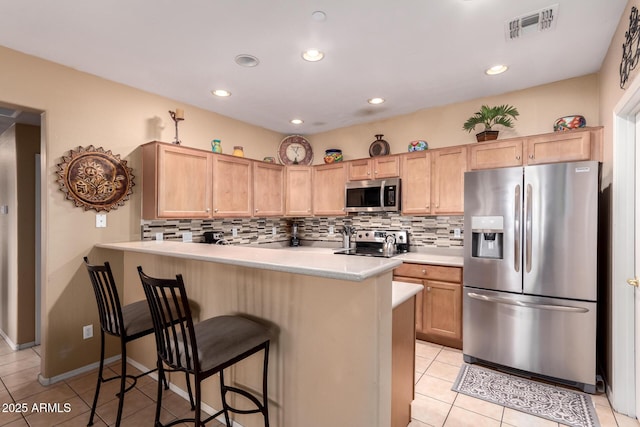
216,147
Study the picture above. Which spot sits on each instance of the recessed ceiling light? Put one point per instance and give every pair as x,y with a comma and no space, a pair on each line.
245,60
312,55
297,121
375,101
496,69
221,93
319,16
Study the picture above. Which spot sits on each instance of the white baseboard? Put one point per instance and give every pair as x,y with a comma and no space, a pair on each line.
15,346
48,381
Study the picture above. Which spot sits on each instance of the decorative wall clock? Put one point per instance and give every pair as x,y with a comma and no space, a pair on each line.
630,47
295,150
95,179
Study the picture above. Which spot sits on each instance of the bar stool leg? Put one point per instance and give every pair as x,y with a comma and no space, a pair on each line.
223,394
161,379
123,382
265,398
99,382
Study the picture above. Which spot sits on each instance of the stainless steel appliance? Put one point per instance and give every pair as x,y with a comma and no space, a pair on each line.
530,269
375,195
378,243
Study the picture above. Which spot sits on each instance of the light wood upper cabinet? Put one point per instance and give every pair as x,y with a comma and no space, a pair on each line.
298,190
328,189
375,168
449,166
564,146
232,186
176,182
502,154
416,183
268,189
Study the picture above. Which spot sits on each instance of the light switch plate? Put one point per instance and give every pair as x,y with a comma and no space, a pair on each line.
456,232
101,220
234,232
187,236
4,209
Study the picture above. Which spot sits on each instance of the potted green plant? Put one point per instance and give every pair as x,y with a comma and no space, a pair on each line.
489,116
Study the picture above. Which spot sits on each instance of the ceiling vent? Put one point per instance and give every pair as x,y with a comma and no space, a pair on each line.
531,23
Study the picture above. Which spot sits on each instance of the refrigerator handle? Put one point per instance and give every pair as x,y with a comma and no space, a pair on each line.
516,230
553,307
527,229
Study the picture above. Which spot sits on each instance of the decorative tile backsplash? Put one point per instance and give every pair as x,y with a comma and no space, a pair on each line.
426,231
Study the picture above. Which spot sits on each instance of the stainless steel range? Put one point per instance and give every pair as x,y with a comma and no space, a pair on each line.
378,243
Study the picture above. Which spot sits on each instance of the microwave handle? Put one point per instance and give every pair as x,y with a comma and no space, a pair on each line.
382,193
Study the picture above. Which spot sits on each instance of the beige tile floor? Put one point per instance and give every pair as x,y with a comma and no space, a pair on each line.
436,405
19,385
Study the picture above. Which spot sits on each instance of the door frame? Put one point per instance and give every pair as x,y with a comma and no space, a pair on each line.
621,387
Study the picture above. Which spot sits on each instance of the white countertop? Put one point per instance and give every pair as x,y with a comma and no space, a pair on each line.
402,291
450,260
323,263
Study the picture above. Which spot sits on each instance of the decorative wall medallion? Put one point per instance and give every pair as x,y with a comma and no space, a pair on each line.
630,47
95,179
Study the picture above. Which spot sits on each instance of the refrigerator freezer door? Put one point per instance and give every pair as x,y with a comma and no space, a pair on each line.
492,217
560,230
546,336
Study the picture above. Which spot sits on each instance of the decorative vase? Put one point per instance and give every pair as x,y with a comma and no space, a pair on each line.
332,155
216,147
379,147
418,145
487,135
238,151
269,159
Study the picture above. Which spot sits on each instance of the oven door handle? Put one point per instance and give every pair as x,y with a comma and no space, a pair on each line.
507,301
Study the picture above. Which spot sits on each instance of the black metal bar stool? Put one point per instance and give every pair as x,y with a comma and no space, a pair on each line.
128,322
203,349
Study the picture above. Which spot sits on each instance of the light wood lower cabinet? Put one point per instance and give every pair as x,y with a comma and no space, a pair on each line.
403,360
439,315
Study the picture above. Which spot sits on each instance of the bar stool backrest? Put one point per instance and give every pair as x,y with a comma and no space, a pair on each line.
109,308
172,321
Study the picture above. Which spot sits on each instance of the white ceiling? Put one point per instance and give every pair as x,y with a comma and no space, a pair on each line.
414,53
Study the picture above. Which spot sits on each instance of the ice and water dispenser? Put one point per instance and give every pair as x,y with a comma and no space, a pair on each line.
487,234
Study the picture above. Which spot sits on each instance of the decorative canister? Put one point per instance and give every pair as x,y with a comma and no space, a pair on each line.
216,147
418,145
332,155
269,159
238,151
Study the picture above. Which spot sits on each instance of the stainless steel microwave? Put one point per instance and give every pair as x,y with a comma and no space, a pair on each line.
376,195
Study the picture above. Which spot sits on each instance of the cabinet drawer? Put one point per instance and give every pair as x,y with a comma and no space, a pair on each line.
432,272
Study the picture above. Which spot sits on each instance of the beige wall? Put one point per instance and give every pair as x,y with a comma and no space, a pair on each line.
539,107
83,110
18,148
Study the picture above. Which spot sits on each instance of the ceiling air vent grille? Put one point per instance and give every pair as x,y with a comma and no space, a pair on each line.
531,23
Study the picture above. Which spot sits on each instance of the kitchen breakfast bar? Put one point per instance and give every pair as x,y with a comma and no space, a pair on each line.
331,318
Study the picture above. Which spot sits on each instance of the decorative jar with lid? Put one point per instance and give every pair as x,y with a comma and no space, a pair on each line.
238,151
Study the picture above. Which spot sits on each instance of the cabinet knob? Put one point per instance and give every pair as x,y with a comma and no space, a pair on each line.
531,156
208,210
215,210
517,157
375,172
256,209
424,271
368,173
428,288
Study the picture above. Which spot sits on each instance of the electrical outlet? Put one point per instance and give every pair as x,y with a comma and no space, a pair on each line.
456,233
187,236
274,230
101,220
234,232
331,230
87,332
159,236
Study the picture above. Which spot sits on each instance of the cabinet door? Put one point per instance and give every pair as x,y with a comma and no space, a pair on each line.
496,154
182,181
416,183
567,146
442,313
232,186
449,166
328,189
359,169
298,190
386,167
268,189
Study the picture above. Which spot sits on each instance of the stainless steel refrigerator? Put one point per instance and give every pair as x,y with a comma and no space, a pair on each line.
530,269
